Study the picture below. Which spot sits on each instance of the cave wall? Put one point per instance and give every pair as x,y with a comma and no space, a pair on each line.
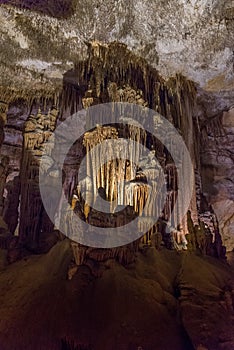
218,170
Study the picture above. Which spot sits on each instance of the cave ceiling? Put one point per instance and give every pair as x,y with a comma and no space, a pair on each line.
40,43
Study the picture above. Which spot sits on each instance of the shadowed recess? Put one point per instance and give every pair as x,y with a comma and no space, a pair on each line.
53,8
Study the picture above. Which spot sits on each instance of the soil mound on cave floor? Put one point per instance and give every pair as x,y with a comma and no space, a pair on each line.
165,300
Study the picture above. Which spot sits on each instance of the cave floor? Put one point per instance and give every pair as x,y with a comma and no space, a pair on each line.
165,300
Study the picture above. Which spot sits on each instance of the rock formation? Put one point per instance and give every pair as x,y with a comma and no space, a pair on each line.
3,111
132,81
201,48
175,286
33,218
168,101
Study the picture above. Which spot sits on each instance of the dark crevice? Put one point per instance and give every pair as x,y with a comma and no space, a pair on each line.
54,8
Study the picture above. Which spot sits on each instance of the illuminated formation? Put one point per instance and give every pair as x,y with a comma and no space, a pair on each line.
110,74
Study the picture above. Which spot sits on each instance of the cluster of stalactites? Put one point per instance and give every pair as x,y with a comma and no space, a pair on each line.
129,72
41,122
119,164
99,134
43,94
112,63
122,159
112,79
125,93
120,65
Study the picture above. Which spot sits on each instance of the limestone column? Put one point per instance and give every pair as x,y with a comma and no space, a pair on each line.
33,218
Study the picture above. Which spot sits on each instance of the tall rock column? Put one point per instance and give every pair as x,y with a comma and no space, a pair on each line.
33,219
177,104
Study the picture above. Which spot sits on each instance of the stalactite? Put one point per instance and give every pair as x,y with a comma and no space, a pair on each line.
182,100
143,226
136,195
43,91
92,139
